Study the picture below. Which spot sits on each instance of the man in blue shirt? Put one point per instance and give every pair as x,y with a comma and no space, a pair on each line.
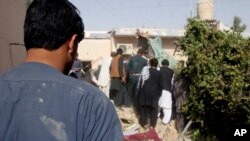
38,101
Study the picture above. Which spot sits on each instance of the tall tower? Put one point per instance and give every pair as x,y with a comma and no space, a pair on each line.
205,9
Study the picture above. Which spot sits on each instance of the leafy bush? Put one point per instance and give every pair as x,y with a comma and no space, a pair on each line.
218,68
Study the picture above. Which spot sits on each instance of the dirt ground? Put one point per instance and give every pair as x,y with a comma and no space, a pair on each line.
165,132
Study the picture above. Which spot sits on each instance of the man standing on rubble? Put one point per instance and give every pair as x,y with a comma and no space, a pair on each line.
118,77
165,102
134,67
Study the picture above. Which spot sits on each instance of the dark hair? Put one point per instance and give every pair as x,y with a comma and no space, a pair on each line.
119,51
165,62
50,23
153,62
140,51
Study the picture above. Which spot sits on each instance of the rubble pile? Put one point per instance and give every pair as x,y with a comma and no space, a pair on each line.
131,126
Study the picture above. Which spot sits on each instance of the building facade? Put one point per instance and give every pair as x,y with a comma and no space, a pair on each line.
12,13
98,45
126,37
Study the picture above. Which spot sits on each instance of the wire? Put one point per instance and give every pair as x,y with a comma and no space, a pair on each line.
111,11
116,11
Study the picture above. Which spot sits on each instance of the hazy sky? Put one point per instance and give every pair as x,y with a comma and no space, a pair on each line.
170,14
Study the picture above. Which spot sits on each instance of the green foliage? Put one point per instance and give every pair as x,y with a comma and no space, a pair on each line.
237,27
218,68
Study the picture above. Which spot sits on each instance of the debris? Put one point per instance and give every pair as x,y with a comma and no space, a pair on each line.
132,130
150,135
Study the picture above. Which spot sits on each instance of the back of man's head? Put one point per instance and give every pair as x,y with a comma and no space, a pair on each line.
153,62
119,51
140,51
50,23
165,62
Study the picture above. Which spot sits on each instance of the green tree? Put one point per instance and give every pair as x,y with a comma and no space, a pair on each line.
237,27
218,68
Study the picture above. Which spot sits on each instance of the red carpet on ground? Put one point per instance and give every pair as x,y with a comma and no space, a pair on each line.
149,135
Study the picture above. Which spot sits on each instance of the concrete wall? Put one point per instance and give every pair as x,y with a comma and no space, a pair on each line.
170,48
94,50
12,13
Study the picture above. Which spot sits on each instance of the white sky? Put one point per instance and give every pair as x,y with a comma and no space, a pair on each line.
109,14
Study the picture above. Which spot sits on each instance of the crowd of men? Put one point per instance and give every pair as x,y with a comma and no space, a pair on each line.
139,82
149,86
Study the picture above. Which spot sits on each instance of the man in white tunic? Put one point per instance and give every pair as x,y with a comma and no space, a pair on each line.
104,76
165,102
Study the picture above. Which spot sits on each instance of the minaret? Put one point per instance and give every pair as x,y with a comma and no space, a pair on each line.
205,9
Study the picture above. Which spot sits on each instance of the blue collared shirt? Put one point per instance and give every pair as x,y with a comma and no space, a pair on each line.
39,103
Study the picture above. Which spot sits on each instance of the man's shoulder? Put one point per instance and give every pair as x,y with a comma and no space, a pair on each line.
171,70
139,57
154,70
165,70
143,59
39,74
65,86
82,87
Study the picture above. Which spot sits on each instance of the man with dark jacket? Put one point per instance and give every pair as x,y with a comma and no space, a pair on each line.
165,101
149,92
134,68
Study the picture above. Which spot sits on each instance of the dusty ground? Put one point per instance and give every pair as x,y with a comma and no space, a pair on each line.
166,132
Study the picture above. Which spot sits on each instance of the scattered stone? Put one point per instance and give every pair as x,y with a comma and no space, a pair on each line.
130,126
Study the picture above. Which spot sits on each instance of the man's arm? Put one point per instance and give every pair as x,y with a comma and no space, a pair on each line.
121,68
